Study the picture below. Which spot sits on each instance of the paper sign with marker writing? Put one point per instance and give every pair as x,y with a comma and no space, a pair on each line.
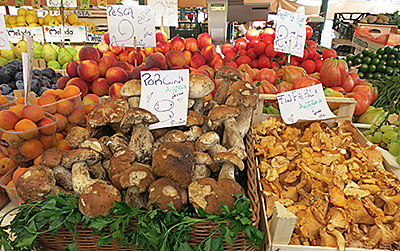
167,9
307,103
4,43
165,94
70,3
127,22
54,3
290,30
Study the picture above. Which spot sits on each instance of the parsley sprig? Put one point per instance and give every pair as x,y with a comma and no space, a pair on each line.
155,229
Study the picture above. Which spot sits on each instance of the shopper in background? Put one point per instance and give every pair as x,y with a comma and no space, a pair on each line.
190,16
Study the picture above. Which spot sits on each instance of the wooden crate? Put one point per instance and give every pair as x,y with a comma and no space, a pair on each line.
382,28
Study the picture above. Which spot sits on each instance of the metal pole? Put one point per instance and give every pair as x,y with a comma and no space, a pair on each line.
182,14
324,10
141,2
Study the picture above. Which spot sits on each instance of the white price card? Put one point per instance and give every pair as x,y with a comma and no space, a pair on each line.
18,33
70,3
127,22
54,3
165,94
167,9
94,38
290,30
4,42
73,34
307,103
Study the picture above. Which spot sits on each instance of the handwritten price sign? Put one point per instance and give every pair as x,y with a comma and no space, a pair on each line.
127,22
290,29
307,103
167,9
17,33
4,43
165,94
70,3
54,3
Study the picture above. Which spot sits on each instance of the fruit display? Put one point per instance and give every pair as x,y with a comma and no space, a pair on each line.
375,19
337,187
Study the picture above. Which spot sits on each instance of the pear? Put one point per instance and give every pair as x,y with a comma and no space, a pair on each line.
49,53
64,67
40,20
53,64
37,50
64,56
21,19
22,12
47,18
59,19
3,61
72,19
19,48
54,22
31,19
71,50
55,47
32,12
9,54
76,56
12,20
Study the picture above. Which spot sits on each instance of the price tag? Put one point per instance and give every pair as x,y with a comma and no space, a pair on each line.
17,33
94,38
4,42
127,22
290,30
167,9
71,34
54,3
69,3
307,103
165,94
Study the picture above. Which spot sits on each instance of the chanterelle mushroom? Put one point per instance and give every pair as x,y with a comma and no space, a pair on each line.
228,74
141,140
228,161
199,86
131,90
109,112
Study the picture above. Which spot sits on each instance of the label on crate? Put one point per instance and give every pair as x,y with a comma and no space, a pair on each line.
17,33
307,103
54,3
166,12
165,94
75,34
4,42
94,38
290,30
70,3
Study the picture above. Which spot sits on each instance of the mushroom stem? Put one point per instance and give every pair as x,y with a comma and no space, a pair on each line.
198,105
81,178
227,171
201,171
141,142
134,101
135,198
244,120
217,148
231,134
222,91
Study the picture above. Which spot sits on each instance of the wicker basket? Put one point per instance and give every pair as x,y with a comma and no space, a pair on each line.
85,239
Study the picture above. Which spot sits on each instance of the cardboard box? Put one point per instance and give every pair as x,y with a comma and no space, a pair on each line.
378,29
360,43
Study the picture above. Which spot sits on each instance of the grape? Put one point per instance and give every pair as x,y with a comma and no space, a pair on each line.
367,132
386,128
374,127
388,136
396,122
377,137
369,137
394,149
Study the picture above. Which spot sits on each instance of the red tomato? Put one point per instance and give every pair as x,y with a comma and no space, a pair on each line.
305,82
374,89
242,43
334,72
232,64
329,53
275,64
315,75
243,59
364,89
269,51
309,31
265,87
259,48
242,52
266,74
291,73
355,77
318,65
339,89
267,40
294,61
264,63
312,43
251,34
228,56
268,32
283,60
279,74
227,47
284,86
305,55
362,102
252,54
308,65
247,68
348,84
312,53
254,63
253,42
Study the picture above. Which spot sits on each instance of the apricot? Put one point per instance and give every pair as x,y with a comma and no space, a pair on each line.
35,101
2,155
88,108
20,101
9,151
28,126
33,112
8,119
77,116
48,141
11,139
31,148
59,136
10,184
62,121
48,102
70,91
17,110
62,145
18,173
53,93
36,161
64,107
3,100
48,126
6,164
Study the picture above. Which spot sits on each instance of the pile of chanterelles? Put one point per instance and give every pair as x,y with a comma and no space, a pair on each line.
338,188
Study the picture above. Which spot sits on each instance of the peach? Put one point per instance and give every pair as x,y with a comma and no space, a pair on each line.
208,52
64,107
35,101
103,67
148,50
28,126
107,37
162,46
72,69
3,100
89,53
188,56
47,126
31,148
191,44
175,67
59,136
6,164
123,65
203,40
135,74
100,87
62,121
11,139
88,70
91,98
8,119
175,58
139,58
215,61
20,101
88,108
82,85
2,155
33,112
156,60
48,103
110,54
61,82
36,161
116,74
48,141
202,71
161,35
177,43
70,91
62,145
109,60
123,56
209,69
144,56
197,61
196,53
103,47
77,116
114,91
116,49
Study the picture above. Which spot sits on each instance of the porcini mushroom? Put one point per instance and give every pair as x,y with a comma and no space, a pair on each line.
141,142
173,136
228,161
117,142
135,198
210,142
81,178
96,145
193,133
109,112
131,90
76,136
199,86
63,177
89,156
51,157
202,161
228,74
165,191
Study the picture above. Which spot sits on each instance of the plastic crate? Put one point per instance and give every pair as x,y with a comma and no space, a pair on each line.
345,22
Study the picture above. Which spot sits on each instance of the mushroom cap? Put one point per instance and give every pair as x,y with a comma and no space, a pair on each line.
223,112
202,158
78,155
117,142
98,199
240,152
199,85
136,115
174,161
245,93
51,157
131,88
97,146
106,113
35,183
194,133
227,157
165,191
174,136
229,73
207,140
194,118
76,136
